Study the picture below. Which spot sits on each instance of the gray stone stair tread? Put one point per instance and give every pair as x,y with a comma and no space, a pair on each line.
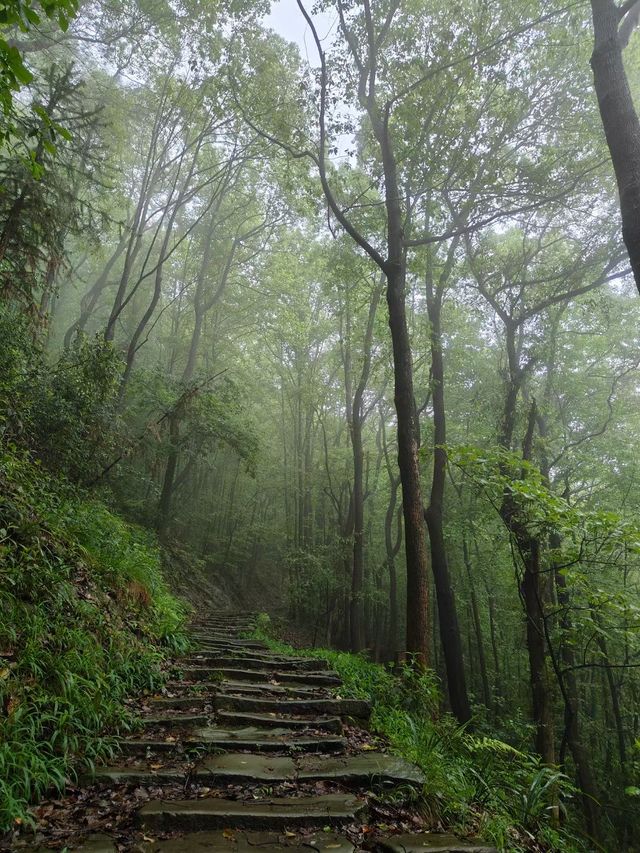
275,690
215,650
264,740
331,724
244,842
174,720
253,676
95,843
362,767
430,843
203,673
274,813
346,769
237,766
142,747
272,663
134,776
330,677
339,707
300,679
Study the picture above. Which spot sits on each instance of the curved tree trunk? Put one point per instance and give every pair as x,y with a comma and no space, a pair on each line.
618,114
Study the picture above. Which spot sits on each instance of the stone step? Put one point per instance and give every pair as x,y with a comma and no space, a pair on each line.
222,636
247,688
219,647
335,707
258,739
172,721
213,674
235,619
230,646
428,843
96,842
238,841
241,767
255,739
276,813
270,663
244,718
229,702
274,690
328,678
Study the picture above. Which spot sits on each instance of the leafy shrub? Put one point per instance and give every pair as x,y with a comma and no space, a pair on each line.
474,784
65,412
85,621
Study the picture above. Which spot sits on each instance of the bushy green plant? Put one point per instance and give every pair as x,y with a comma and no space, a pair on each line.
474,784
86,620
65,413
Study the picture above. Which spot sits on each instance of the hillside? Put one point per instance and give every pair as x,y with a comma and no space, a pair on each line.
86,621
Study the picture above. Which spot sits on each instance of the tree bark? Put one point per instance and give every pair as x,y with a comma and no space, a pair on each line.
434,516
619,119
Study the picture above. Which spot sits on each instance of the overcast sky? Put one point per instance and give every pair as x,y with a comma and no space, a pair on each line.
286,19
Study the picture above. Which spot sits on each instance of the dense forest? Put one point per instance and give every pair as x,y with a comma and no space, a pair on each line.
349,326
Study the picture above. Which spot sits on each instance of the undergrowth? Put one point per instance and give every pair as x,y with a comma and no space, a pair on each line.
86,620
475,785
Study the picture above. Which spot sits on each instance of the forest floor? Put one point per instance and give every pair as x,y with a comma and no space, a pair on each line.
245,748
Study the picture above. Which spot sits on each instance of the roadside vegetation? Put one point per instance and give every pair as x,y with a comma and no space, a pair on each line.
478,782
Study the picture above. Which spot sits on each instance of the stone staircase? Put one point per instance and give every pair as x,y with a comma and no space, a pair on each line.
248,750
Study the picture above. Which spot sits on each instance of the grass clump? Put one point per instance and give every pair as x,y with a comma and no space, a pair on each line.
86,621
475,785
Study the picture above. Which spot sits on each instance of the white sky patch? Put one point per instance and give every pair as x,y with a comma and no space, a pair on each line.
286,19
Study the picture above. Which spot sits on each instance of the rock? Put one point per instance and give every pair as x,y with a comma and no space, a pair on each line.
246,718
175,721
347,770
244,767
338,707
360,769
276,813
429,843
263,740
249,842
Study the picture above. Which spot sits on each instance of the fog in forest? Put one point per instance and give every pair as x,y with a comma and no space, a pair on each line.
321,322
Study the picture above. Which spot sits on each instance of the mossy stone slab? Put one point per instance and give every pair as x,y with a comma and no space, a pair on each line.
249,842
276,813
430,843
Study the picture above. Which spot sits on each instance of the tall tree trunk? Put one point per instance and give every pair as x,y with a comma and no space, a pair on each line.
434,516
356,424
166,495
619,116
475,612
90,298
532,594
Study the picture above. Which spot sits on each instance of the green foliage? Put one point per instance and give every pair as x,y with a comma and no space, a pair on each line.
65,412
85,621
474,784
25,14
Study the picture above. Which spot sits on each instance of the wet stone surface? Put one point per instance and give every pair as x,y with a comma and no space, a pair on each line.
244,750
